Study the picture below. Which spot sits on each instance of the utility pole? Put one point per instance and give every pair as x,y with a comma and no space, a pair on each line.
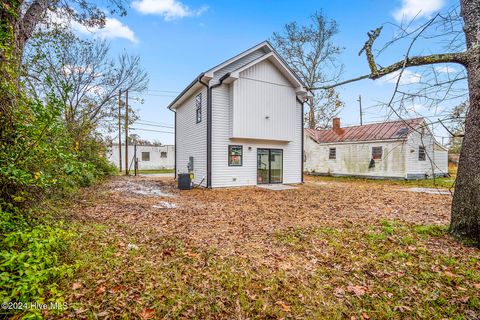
120,130
126,132
361,113
135,159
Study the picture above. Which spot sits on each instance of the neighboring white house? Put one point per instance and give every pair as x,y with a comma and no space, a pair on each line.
149,157
396,149
241,122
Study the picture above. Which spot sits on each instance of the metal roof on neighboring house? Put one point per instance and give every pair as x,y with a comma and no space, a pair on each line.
392,130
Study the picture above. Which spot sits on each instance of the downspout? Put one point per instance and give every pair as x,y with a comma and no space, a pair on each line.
175,153
303,142
209,125
209,131
303,138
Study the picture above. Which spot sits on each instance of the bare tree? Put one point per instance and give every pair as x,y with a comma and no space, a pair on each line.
81,73
311,53
456,127
461,48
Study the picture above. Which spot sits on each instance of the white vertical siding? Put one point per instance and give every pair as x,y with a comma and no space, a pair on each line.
192,138
263,104
354,159
222,174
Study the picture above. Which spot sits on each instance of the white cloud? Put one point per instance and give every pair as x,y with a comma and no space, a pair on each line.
445,69
417,8
408,77
113,29
169,9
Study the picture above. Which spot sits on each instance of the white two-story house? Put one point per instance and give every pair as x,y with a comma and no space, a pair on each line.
241,122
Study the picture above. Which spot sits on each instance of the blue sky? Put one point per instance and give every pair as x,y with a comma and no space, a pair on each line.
178,39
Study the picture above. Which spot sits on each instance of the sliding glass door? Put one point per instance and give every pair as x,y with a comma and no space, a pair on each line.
269,166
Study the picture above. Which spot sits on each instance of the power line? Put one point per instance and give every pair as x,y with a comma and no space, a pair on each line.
169,91
137,129
155,95
154,122
152,125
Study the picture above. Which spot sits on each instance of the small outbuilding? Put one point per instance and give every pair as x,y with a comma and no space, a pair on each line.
403,149
149,157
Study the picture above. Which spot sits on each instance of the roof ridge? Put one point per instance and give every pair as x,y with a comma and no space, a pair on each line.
371,124
397,129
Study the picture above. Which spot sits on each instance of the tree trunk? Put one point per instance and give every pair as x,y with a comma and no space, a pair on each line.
465,220
9,64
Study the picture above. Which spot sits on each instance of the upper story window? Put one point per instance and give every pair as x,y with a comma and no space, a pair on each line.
235,155
332,153
377,153
145,156
422,154
198,105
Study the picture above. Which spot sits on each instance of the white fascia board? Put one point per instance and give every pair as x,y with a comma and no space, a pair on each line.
186,95
239,56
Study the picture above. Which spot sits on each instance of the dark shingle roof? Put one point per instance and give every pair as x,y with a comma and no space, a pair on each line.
395,130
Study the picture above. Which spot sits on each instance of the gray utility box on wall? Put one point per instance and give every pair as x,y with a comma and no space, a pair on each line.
184,182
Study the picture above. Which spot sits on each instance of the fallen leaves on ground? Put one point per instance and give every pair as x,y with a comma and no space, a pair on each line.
323,250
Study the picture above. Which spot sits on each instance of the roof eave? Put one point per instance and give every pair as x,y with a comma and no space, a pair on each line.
202,77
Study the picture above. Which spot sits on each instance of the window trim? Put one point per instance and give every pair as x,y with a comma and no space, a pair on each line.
329,153
424,153
381,154
198,108
229,155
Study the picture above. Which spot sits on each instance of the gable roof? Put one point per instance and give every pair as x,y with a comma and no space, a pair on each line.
270,54
392,130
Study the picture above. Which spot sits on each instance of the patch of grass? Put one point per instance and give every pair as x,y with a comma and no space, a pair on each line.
156,171
443,183
431,230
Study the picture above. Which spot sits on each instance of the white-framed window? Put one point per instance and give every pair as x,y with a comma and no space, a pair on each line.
422,153
332,153
377,153
163,154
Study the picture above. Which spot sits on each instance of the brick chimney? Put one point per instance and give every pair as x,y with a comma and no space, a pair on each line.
336,123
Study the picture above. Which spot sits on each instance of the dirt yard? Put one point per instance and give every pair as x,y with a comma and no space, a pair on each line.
323,250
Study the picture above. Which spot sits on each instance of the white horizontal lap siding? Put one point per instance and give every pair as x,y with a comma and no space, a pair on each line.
224,175
191,139
430,165
441,159
263,104
354,159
